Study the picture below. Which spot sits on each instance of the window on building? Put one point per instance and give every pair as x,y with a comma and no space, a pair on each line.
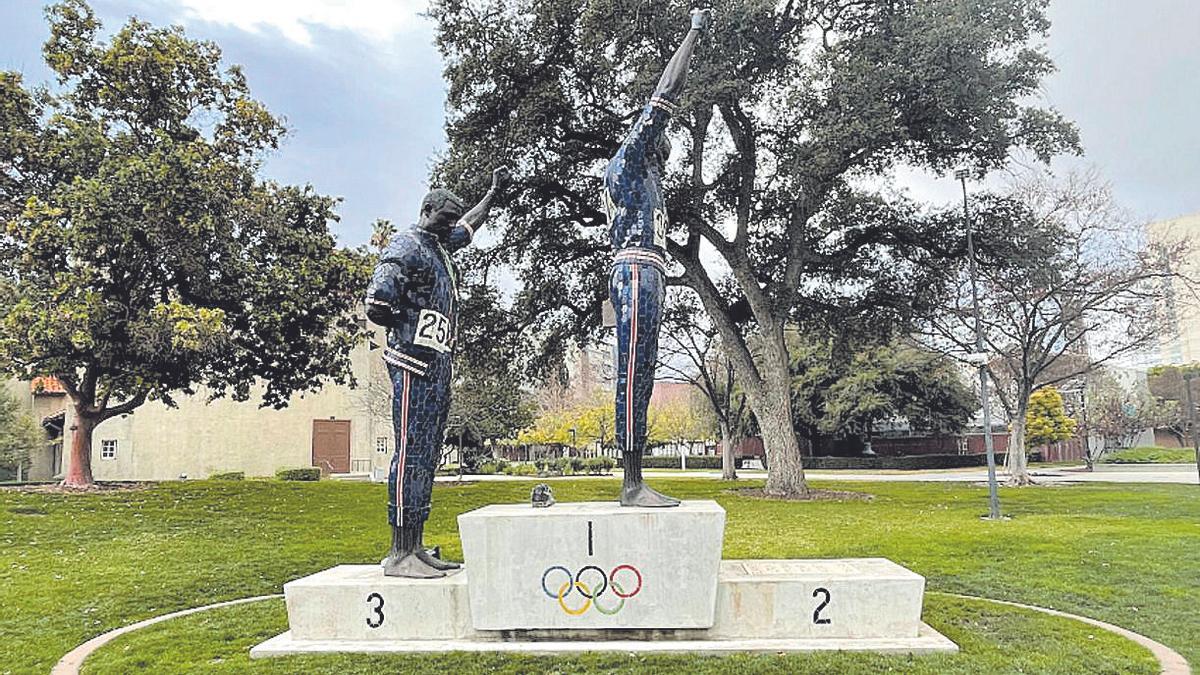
108,449
381,444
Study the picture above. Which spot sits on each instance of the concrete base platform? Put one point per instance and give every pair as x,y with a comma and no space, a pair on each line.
864,604
927,641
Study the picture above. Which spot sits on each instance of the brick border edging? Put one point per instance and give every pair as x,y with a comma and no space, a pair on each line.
71,662
1171,661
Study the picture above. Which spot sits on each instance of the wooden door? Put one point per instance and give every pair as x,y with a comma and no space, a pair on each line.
331,446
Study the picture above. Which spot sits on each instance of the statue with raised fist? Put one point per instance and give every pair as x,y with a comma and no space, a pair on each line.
633,200
413,295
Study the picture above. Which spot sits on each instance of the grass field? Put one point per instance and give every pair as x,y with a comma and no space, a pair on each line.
74,566
1151,455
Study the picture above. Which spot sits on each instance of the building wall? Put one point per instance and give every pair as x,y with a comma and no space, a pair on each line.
39,406
200,438
1182,309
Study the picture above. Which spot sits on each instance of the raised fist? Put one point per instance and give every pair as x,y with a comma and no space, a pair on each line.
701,18
501,178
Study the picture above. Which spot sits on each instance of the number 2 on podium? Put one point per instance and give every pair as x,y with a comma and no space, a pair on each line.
817,619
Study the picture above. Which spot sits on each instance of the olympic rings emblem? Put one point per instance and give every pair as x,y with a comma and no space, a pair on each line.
603,582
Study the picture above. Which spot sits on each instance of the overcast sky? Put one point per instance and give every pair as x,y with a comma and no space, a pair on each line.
359,82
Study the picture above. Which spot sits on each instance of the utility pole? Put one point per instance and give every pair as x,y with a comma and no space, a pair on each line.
981,356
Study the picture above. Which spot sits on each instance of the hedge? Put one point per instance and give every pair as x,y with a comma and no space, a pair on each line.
904,462
306,473
1151,455
231,475
521,469
561,466
672,462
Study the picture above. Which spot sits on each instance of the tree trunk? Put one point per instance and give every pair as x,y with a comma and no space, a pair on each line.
728,464
79,472
785,469
1015,459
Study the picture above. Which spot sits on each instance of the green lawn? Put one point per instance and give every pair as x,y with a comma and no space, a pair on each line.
74,566
1151,455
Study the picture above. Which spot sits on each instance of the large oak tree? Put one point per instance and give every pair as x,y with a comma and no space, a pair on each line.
140,255
795,114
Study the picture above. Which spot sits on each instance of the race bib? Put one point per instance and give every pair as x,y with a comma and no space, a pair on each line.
660,228
433,331
606,203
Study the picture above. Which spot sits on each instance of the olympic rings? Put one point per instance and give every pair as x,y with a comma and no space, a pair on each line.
547,573
620,604
617,589
603,580
591,598
562,593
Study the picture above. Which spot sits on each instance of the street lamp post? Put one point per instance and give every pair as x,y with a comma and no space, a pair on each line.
1188,376
1084,433
980,354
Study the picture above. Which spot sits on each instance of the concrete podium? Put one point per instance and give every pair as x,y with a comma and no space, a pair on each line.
599,577
592,565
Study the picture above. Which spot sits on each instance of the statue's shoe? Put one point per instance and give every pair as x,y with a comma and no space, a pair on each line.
429,558
410,566
642,495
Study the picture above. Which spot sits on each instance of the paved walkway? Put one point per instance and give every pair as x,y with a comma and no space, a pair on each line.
1163,473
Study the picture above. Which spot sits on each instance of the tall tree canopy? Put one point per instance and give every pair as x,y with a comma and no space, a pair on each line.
842,389
141,256
489,401
794,116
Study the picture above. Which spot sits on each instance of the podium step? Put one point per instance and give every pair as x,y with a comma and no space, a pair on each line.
596,576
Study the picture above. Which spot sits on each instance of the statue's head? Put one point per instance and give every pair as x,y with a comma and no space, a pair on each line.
662,152
440,210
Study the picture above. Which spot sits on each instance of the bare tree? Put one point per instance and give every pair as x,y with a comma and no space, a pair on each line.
1067,285
691,352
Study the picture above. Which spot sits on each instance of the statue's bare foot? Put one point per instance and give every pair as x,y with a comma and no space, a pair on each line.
643,495
435,562
409,565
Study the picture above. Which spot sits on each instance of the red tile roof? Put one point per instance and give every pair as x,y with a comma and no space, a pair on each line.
46,385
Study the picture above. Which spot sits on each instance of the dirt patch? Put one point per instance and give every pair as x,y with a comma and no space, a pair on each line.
56,488
813,495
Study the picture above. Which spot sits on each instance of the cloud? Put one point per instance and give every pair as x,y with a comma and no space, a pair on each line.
375,20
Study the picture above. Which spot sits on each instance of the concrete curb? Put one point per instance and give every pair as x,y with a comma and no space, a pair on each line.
70,664
1171,661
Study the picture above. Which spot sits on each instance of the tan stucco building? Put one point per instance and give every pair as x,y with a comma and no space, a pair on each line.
1182,308
339,429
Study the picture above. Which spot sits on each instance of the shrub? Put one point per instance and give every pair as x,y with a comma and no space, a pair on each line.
553,466
596,466
576,464
308,473
232,475
494,466
521,469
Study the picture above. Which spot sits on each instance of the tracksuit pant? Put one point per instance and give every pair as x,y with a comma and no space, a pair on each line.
420,402
637,289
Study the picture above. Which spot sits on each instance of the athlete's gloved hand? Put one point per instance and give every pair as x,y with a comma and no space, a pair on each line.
701,18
